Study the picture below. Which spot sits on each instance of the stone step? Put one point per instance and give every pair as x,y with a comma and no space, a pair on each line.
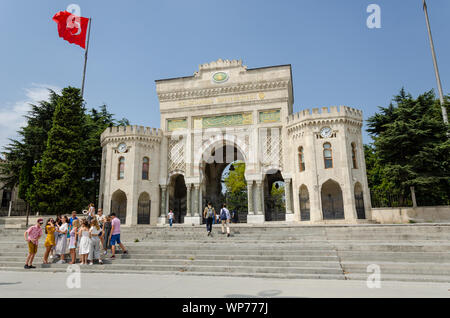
185,256
195,268
399,268
87,269
202,262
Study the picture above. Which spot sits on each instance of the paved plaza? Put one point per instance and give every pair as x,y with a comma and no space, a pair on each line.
40,284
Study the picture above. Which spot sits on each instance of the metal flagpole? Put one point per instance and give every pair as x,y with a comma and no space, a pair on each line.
436,69
86,57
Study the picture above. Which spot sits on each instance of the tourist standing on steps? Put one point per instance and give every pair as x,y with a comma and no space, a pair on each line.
32,236
73,240
94,250
106,233
170,217
225,218
90,213
209,214
101,220
62,239
49,239
85,242
114,237
57,223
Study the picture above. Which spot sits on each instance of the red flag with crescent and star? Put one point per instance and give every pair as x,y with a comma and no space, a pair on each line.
72,28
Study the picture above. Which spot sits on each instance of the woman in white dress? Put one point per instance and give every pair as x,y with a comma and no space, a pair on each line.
85,242
62,239
94,252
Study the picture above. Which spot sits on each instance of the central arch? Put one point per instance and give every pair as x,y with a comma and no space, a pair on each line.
217,160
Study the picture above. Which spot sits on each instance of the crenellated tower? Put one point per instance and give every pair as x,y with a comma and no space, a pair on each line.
129,182
328,166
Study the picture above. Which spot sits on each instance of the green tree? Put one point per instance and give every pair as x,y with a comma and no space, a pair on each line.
57,186
21,155
411,148
277,196
95,123
236,188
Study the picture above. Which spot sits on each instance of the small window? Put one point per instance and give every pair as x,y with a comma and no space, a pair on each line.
121,173
301,159
327,155
145,168
355,166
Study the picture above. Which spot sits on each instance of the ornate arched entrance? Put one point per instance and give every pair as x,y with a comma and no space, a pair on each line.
119,205
218,160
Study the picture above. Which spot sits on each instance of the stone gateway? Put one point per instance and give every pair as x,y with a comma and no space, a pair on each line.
226,113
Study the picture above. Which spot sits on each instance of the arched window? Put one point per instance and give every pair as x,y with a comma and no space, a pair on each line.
301,159
145,168
355,166
121,170
327,155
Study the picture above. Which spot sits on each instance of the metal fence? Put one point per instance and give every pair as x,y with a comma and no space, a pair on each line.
18,208
390,200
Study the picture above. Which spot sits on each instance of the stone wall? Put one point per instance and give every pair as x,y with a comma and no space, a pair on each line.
434,214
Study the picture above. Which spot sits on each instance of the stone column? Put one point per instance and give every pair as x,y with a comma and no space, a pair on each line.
250,197
287,193
188,199
196,203
259,208
162,212
255,213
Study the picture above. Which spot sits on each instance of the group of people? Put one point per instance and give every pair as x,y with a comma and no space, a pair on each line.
224,217
211,217
89,234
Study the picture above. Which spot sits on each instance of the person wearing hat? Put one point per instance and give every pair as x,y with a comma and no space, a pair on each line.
32,236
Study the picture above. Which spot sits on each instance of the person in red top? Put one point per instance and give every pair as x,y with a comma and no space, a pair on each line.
32,236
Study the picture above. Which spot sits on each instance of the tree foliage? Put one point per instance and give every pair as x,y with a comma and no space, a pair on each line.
236,185
25,154
411,148
57,186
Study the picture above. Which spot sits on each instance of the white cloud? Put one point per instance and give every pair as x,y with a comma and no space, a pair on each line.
11,116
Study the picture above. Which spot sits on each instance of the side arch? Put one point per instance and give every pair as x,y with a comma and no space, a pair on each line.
304,203
359,201
144,208
119,205
332,201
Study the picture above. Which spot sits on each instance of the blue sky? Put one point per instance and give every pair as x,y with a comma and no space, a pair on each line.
336,59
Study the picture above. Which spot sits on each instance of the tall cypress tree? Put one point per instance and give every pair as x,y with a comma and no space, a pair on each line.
411,148
57,186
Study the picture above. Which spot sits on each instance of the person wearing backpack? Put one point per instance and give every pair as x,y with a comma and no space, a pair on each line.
209,214
225,219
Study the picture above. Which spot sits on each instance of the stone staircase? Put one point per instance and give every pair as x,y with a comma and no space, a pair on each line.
416,252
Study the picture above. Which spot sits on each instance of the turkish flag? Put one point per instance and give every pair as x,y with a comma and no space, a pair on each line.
72,28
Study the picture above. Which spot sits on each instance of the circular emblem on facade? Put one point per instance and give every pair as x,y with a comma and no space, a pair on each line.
325,132
122,147
220,77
